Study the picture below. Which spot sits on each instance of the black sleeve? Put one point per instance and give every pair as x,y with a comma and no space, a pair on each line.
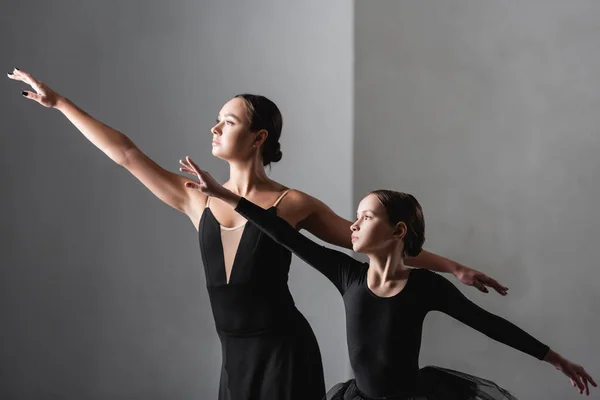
449,300
335,265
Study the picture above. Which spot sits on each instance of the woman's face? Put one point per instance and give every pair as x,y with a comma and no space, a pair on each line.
232,139
372,230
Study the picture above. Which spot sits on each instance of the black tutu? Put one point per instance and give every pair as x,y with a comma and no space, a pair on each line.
435,383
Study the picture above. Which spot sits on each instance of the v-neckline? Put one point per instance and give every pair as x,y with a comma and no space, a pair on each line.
222,252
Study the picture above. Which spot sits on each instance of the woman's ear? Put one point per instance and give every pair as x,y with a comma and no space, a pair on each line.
260,137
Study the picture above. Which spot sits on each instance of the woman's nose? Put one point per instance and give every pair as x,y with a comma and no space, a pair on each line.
215,130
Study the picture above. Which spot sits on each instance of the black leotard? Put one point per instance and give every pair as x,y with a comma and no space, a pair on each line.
384,334
269,349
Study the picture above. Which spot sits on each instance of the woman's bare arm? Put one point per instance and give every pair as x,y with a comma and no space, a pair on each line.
165,185
324,223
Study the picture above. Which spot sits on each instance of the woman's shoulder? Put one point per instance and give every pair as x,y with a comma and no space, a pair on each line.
291,198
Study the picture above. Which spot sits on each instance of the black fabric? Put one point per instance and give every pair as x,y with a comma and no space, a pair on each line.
384,334
435,383
269,349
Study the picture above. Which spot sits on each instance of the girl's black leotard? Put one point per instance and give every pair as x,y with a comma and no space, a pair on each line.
384,334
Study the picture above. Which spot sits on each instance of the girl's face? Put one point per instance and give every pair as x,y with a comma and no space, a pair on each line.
232,139
372,231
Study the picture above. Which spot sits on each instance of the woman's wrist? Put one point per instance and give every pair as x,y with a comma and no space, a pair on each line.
61,103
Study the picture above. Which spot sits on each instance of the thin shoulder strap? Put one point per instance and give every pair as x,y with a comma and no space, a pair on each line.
207,201
280,198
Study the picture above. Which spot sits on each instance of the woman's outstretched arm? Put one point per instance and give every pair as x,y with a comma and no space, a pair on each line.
167,186
325,224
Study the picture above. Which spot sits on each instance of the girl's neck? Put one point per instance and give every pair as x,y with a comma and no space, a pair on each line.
387,266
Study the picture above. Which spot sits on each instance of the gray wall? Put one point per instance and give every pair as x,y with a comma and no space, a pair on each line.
488,113
101,286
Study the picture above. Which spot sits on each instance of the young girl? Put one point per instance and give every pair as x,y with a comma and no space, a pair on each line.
269,350
386,302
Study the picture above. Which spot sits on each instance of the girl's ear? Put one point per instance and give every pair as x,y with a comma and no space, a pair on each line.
400,230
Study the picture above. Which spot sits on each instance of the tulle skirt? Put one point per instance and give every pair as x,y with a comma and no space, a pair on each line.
436,383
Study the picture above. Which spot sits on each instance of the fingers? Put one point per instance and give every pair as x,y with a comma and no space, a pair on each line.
584,386
15,76
186,164
189,165
480,286
190,168
572,374
28,79
187,170
12,76
587,376
192,164
39,95
494,284
499,288
586,379
587,387
32,96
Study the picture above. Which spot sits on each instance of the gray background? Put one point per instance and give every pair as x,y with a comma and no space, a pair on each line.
486,111
102,292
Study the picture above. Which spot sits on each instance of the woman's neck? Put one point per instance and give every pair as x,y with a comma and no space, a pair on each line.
244,177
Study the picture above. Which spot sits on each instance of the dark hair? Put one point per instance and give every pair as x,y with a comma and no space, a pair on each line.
403,207
264,114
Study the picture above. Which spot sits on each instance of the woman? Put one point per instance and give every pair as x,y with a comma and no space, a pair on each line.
386,302
269,349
